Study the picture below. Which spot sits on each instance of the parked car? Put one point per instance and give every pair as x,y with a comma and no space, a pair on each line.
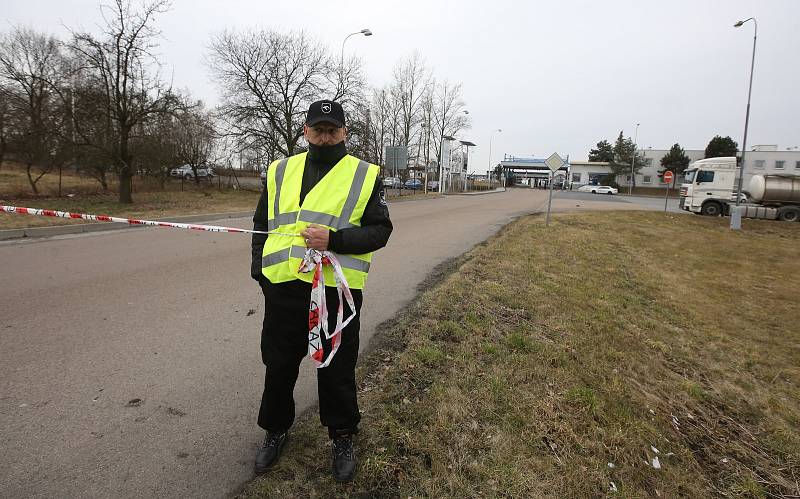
187,173
433,185
392,182
413,184
598,189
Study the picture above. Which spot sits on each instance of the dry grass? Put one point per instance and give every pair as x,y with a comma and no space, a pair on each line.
554,362
83,195
147,205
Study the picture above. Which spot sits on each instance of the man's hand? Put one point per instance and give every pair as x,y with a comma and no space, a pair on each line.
316,237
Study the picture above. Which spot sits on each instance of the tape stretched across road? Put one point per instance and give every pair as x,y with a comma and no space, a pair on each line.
133,221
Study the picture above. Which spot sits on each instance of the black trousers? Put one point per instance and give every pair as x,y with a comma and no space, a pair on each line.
284,343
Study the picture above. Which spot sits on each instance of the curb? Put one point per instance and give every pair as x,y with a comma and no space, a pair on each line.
478,193
58,230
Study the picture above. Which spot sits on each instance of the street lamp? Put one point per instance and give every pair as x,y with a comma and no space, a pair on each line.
736,218
442,159
365,32
633,160
465,167
489,172
448,138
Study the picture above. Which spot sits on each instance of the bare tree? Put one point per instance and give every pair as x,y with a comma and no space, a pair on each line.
411,79
29,62
381,121
268,79
93,131
157,148
196,138
5,121
449,116
348,82
122,63
427,134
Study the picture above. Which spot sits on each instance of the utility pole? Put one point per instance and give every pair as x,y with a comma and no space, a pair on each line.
736,217
633,160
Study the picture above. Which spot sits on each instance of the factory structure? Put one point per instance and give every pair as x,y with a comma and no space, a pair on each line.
532,172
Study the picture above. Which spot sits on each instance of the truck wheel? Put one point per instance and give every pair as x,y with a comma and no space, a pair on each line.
789,214
711,209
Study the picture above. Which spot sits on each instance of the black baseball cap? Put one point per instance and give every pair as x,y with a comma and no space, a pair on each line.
326,111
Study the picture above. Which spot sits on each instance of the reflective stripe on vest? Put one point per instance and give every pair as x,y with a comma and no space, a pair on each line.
343,220
347,262
326,204
280,218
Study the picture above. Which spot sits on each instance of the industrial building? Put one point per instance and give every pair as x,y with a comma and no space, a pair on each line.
760,159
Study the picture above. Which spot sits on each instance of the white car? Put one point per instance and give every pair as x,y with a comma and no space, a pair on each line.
187,173
598,189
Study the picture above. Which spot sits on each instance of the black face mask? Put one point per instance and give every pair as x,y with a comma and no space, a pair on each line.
327,155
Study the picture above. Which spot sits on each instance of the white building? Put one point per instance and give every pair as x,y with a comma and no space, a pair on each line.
533,172
760,160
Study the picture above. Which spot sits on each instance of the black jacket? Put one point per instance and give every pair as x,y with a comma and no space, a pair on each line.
375,224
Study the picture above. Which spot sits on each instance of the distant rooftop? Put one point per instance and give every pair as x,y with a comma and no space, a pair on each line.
509,159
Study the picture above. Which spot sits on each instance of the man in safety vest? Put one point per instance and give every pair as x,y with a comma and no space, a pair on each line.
326,200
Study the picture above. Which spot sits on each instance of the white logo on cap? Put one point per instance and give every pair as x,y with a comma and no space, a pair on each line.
326,107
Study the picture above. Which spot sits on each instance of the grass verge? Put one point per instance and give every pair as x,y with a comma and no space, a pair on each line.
147,205
83,195
630,354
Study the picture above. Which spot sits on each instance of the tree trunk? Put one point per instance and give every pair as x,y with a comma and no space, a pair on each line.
30,179
125,172
125,178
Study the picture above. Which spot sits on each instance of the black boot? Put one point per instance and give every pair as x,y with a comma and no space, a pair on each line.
344,458
267,455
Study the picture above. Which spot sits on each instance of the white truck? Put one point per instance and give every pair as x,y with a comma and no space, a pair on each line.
708,189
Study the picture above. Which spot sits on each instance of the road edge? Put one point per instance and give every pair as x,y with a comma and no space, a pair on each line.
59,230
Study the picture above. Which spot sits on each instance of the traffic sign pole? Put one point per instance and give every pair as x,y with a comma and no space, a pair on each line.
668,179
550,200
554,162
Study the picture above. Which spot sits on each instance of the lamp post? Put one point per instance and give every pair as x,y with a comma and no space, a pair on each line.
465,167
736,217
442,159
365,32
489,172
633,160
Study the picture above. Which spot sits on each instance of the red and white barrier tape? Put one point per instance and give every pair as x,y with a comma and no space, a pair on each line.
133,221
318,308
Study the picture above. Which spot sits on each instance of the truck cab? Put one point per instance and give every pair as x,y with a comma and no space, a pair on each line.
708,186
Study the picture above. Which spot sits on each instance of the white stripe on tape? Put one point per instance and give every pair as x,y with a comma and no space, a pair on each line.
133,221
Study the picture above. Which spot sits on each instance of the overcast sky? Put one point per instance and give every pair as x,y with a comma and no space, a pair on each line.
554,76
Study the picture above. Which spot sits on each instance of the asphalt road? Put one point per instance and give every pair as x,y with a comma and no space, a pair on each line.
129,360
647,202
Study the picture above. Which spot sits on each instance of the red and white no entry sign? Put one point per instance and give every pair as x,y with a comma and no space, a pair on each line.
668,177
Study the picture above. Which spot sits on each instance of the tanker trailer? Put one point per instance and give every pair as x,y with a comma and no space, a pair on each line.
778,192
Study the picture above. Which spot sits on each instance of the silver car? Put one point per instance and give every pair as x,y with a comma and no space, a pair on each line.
598,189
187,173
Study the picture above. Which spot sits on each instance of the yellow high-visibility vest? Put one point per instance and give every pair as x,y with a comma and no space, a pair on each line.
336,202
